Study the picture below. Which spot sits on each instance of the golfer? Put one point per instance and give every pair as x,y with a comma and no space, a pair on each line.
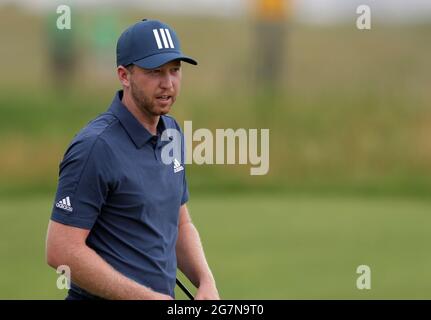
120,220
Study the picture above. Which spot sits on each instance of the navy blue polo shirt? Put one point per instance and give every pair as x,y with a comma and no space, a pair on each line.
113,182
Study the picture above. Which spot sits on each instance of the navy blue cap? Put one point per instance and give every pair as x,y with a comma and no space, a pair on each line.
149,44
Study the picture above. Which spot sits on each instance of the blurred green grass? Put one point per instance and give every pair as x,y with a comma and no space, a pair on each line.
267,247
337,144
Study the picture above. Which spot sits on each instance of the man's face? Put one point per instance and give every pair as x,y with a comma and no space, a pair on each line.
154,91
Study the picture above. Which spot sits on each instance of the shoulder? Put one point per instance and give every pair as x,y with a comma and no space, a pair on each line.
91,138
97,127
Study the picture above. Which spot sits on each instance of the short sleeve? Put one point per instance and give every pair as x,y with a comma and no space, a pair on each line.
84,181
185,196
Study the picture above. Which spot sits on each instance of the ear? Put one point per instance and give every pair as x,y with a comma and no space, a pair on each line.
123,76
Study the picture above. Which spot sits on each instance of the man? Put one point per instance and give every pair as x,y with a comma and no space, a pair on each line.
120,220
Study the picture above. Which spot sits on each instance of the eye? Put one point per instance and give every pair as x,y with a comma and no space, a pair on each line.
176,69
153,72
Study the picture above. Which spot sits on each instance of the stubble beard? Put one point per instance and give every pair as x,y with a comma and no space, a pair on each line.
144,103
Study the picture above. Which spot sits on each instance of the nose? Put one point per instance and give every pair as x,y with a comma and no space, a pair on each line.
166,81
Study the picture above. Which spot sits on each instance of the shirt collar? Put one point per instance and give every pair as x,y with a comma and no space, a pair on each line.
137,132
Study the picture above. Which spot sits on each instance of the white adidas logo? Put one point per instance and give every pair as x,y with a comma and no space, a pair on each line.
166,37
177,166
65,204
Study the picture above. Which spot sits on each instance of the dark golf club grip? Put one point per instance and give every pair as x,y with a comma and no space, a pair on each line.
187,292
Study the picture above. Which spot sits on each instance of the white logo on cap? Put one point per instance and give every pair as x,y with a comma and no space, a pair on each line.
166,37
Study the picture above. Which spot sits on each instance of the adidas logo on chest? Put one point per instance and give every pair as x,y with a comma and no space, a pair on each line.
177,166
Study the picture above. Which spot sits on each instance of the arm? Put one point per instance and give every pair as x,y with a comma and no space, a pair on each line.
191,258
65,245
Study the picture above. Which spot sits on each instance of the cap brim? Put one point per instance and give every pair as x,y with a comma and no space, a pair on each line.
160,59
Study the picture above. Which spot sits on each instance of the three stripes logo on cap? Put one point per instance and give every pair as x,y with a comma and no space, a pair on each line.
64,204
166,37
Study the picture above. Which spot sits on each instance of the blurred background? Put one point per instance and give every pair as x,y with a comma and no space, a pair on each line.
349,113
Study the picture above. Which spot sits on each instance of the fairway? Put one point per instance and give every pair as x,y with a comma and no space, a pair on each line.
262,247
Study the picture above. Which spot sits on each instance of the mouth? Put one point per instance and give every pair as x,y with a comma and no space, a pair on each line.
164,98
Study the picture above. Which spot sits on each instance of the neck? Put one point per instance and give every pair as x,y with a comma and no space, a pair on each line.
149,121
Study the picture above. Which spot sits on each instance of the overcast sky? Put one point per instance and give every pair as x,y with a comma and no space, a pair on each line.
314,11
